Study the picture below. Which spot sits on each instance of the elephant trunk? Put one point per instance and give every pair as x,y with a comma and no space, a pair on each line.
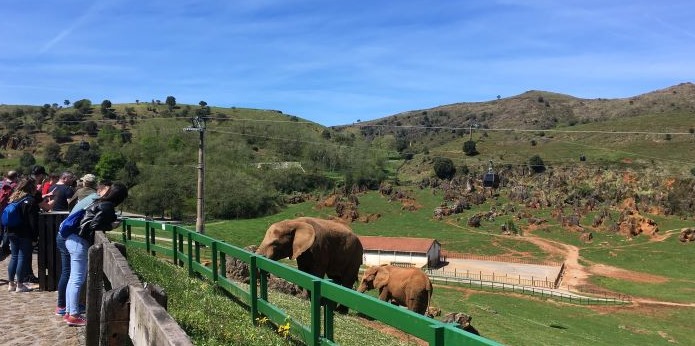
263,251
362,288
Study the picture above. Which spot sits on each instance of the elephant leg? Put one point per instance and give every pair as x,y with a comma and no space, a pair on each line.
385,295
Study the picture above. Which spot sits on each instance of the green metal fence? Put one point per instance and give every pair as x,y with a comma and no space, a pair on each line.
184,247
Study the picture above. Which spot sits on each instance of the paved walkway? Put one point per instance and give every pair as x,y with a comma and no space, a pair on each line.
29,318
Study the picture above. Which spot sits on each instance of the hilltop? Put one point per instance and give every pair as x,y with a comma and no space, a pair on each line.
541,110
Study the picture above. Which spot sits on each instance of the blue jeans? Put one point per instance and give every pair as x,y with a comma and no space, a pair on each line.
20,259
64,269
77,247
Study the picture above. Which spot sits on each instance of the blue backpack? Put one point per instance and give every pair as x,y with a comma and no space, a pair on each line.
12,215
71,224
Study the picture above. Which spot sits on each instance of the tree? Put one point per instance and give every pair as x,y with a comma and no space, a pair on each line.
66,102
81,160
52,154
171,102
105,107
444,168
109,164
203,110
90,127
84,106
469,148
536,163
27,160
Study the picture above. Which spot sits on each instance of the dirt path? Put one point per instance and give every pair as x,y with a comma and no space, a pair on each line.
577,275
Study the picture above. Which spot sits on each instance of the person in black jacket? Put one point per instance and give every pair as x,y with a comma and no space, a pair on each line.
22,236
100,216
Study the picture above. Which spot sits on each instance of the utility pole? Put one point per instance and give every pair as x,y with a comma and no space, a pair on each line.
199,126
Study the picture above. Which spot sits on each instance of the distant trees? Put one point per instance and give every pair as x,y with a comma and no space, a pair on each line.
51,156
170,102
83,107
203,110
26,161
90,127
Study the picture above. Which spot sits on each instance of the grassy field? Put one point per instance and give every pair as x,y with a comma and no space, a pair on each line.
523,320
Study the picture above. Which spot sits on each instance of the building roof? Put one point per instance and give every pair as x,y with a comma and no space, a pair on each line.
419,245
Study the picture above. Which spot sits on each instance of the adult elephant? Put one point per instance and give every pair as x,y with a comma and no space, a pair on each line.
408,287
321,248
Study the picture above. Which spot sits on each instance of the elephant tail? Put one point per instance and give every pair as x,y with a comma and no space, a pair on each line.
431,311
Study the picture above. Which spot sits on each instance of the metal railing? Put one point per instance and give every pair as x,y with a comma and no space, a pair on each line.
184,248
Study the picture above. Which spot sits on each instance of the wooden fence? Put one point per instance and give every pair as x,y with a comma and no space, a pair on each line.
606,299
183,247
129,312
531,281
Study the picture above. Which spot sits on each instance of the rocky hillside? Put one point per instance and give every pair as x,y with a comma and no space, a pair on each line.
544,110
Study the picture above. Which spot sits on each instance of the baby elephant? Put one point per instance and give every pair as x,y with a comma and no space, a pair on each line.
408,287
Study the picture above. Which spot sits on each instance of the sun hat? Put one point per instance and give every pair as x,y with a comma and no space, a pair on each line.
89,178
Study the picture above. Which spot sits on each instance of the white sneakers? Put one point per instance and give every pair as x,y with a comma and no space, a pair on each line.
22,288
17,287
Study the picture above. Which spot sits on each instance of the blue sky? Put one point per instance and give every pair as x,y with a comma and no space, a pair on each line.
336,62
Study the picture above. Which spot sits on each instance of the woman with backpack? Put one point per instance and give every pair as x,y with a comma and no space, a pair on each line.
83,204
21,232
100,216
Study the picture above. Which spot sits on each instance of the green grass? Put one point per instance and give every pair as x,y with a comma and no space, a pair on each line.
209,317
516,320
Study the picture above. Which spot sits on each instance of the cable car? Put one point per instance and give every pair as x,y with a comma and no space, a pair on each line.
491,179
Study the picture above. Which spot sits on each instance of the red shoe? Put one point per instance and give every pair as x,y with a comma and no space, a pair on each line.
76,321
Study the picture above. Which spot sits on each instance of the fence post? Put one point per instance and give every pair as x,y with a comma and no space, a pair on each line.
175,256
147,237
181,248
190,254
253,288
223,264
315,312
215,274
95,287
153,240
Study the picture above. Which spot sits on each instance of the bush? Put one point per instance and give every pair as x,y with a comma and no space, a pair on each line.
469,148
444,168
536,164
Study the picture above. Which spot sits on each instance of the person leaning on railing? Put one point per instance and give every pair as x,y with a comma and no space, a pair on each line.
84,203
100,216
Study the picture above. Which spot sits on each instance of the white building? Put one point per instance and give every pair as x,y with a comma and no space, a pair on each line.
402,251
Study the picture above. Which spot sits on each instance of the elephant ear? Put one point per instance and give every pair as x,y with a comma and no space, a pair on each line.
304,236
382,277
